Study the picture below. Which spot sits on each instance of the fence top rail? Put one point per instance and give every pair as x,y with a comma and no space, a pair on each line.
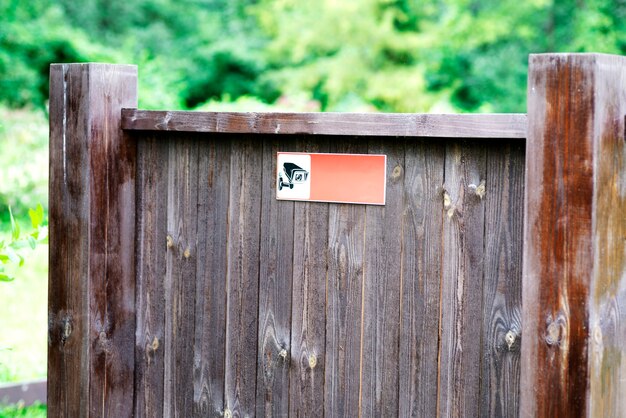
512,125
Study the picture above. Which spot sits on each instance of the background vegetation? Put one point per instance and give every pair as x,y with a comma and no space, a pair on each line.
326,55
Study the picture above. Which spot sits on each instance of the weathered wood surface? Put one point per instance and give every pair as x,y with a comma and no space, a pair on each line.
502,296
180,276
248,306
91,300
382,291
242,277
275,289
152,169
344,310
574,279
462,279
210,324
422,230
364,124
316,309
308,318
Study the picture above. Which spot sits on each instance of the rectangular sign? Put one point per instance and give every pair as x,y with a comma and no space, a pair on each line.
338,178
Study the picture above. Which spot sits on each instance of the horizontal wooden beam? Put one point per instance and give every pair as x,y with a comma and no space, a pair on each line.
25,393
352,124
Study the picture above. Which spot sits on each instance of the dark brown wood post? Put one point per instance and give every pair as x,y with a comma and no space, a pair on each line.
574,272
91,294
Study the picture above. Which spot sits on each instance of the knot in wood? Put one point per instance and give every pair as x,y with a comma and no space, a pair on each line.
283,354
155,344
554,331
397,171
187,253
510,338
447,204
227,413
447,201
479,190
312,361
170,241
67,329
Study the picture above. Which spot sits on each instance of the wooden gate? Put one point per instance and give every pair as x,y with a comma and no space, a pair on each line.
180,286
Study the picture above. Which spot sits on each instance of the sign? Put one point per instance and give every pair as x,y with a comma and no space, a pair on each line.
338,178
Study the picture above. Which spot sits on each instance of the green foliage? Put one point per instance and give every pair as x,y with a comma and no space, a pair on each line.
21,411
11,251
23,162
24,320
31,39
391,55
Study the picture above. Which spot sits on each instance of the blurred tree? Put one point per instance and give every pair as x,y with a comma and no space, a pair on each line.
403,55
392,55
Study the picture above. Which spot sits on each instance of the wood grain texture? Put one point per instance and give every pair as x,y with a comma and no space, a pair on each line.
92,233
422,229
308,318
462,280
574,258
210,323
607,313
152,169
182,222
359,124
246,168
346,249
276,273
381,291
502,289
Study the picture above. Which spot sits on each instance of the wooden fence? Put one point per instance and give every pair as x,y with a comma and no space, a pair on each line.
180,286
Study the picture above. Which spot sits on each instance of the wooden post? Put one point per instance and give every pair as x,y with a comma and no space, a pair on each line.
574,270
91,294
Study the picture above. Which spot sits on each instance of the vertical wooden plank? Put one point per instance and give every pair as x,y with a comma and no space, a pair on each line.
92,240
246,168
310,255
462,280
346,246
210,324
607,316
382,290
276,273
502,289
180,279
574,271
422,225
152,168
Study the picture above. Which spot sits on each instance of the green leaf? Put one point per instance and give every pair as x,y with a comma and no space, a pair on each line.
15,228
4,258
36,216
32,242
5,278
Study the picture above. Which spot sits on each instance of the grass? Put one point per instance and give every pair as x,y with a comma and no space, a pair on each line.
23,320
33,411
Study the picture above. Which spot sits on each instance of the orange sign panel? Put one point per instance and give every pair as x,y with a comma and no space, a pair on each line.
340,178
